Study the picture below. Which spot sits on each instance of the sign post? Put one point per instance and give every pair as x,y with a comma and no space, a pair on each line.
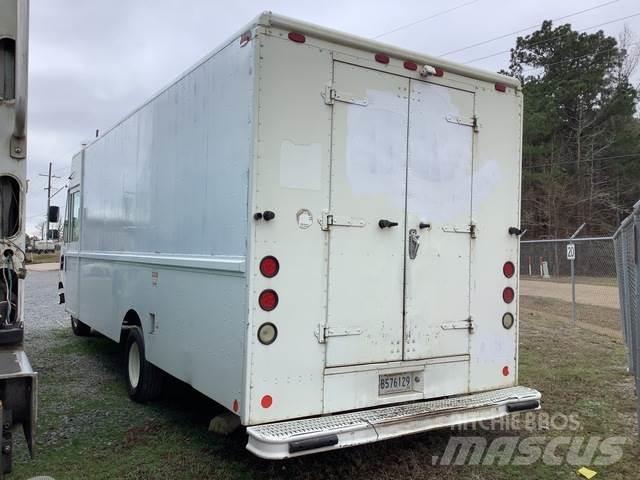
571,256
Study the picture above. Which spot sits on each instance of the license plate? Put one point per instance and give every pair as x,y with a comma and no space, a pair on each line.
395,383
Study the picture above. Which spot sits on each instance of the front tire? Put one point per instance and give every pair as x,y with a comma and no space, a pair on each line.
144,380
80,329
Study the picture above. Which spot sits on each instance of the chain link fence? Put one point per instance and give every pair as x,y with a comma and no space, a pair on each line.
627,248
586,291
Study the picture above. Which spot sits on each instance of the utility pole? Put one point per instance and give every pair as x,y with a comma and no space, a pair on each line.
48,189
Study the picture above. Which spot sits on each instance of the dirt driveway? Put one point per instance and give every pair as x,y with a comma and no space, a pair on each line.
598,295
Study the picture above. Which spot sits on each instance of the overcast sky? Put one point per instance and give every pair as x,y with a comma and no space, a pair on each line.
92,62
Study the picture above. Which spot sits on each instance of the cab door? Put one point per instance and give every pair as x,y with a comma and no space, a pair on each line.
71,252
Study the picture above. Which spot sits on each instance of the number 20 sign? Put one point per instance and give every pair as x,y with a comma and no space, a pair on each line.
571,251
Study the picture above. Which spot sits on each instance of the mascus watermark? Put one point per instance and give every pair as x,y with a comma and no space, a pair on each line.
550,450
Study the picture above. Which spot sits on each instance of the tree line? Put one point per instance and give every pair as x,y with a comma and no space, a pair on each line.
581,138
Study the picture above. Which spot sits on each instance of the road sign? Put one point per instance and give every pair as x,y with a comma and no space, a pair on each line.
571,251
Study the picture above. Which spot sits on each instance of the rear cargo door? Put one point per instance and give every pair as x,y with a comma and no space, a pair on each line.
368,186
439,231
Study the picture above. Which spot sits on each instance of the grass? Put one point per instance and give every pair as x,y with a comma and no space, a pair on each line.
43,257
88,428
604,317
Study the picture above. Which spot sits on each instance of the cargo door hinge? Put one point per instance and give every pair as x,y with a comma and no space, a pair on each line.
331,96
328,219
466,324
466,121
323,332
471,229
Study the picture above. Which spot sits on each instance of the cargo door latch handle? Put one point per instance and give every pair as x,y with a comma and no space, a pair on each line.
387,224
414,243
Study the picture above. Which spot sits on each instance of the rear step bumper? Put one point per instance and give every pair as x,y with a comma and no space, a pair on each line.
311,435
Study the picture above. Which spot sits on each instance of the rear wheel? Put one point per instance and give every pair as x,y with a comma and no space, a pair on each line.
144,380
80,329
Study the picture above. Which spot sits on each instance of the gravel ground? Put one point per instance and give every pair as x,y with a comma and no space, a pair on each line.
41,309
47,333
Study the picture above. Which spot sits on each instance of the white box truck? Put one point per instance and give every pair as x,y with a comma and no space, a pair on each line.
317,231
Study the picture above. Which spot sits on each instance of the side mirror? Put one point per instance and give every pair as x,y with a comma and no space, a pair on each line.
54,214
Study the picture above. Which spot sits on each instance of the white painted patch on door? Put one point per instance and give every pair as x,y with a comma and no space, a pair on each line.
376,142
300,165
440,156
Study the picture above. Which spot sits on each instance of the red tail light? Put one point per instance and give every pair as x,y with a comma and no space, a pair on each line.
508,295
268,300
509,269
269,266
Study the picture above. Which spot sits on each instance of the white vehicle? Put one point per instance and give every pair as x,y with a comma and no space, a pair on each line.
44,246
18,381
308,223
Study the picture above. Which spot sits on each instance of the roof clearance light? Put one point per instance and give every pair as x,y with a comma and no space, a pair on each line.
382,58
439,72
269,266
297,37
500,87
509,269
410,65
507,295
268,300
245,38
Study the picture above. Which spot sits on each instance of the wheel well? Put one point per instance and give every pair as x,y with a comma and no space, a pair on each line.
131,319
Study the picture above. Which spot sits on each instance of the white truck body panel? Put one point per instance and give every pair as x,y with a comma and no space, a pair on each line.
332,141
18,381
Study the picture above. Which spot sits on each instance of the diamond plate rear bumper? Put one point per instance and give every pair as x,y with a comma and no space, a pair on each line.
311,435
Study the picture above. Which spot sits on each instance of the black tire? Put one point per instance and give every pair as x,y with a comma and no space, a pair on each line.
80,329
150,379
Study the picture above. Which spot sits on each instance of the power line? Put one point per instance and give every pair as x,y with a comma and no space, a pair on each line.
589,160
438,14
484,42
556,37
